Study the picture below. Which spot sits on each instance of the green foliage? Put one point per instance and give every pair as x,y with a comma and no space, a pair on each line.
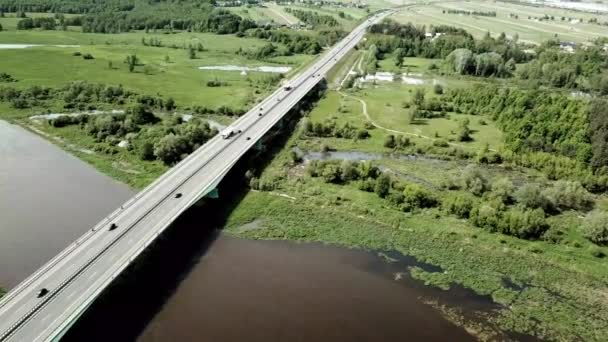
312,18
415,196
6,78
474,181
502,190
141,115
584,69
565,195
598,128
132,61
523,223
531,196
438,89
595,227
383,185
171,148
459,204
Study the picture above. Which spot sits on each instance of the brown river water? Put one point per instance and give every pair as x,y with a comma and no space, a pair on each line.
199,284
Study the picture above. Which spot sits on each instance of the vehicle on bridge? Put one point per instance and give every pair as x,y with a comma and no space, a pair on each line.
227,132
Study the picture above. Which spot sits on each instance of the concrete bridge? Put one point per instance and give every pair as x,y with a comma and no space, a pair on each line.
74,278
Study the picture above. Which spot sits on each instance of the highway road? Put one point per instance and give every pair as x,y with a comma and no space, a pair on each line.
77,275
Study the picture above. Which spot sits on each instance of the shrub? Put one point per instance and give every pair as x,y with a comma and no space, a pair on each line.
389,141
362,134
502,190
459,204
438,89
418,197
88,56
383,184
566,195
485,216
523,223
440,143
474,181
531,196
595,227
146,152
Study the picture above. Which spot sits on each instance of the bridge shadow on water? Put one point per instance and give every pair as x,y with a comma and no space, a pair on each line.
126,307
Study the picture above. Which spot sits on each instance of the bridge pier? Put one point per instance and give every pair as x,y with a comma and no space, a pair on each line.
259,146
213,194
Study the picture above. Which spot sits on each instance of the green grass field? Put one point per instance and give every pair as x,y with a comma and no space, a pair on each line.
178,78
528,30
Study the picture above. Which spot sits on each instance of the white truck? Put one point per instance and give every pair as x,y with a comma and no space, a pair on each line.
227,132
287,86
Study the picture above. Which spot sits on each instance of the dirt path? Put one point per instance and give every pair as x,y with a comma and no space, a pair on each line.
289,21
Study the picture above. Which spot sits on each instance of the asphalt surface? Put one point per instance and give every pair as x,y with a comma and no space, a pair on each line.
76,276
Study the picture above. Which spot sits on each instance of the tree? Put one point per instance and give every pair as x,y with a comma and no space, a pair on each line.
418,197
595,227
389,141
146,152
461,61
459,204
502,190
170,104
1,28
566,195
170,148
132,61
419,97
399,54
438,89
141,115
474,181
383,185
531,196
464,132
191,53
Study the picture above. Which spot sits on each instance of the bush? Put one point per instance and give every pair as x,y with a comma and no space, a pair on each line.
141,115
438,89
526,224
440,143
418,197
566,195
474,181
362,134
502,190
595,227
531,196
88,56
146,152
389,141
383,185
171,148
459,204
485,216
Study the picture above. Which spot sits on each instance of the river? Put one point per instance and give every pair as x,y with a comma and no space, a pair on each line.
200,284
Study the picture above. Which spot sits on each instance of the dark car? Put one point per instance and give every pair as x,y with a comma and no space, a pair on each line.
113,226
42,292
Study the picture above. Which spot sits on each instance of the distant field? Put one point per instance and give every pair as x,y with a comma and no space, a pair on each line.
268,12
178,78
529,30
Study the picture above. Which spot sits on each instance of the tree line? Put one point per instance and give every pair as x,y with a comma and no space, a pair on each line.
389,36
312,18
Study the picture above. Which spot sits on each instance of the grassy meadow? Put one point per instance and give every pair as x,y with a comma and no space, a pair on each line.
529,30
